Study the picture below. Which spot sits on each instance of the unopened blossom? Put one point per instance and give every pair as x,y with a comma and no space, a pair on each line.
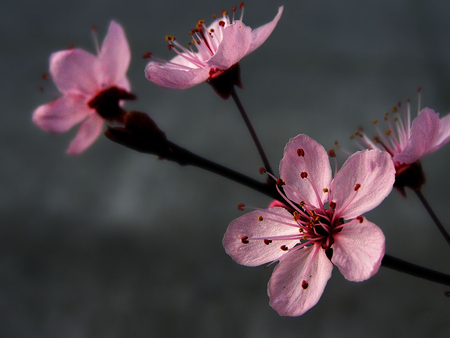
408,142
218,48
90,85
326,226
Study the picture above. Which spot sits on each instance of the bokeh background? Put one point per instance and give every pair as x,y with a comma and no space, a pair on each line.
114,243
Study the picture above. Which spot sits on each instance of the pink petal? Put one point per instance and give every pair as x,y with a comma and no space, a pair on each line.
298,281
443,135
115,55
260,34
177,77
236,40
314,163
363,182
424,133
358,250
89,131
256,252
62,114
76,71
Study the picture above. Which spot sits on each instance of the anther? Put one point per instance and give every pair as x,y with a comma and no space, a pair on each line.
394,109
241,206
262,170
222,23
325,190
303,174
241,5
284,248
223,12
418,89
280,182
333,205
447,293
301,204
267,241
331,152
301,152
244,239
260,218
388,132
360,219
297,216
399,104
375,121
170,38
233,10
44,76
305,285
357,186
147,55
214,16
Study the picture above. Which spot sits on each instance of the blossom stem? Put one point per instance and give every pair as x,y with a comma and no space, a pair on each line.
185,157
433,216
251,130
415,270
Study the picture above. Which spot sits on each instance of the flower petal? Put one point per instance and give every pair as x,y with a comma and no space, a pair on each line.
169,75
89,131
363,182
76,71
298,281
314,162
115,55
236,40
62,114
256,252
443,135
260,34
424,133
358,250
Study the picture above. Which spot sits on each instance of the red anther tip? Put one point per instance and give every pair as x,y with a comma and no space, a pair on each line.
267,241
241,5
357,186
44,76
214,16
241,206
147,55
223,12
418,89
305,285
244,239
71,47
262,170
399,104
280,182
41,89
360,219
447,293
94,28
221,23
303,174
300,152
331,153
233,10
284,248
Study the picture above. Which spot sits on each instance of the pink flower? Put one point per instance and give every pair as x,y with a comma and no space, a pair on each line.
85,80
408,143
218,47
326,227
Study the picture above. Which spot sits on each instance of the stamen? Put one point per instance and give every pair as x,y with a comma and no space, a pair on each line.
357,186
244,240
241,206
360,219
325,190
267,241
305,285
44,76
284,248
147,55
331,152
262,170
301,152
222,23
303,174
280,182
94,35
332,205
260,218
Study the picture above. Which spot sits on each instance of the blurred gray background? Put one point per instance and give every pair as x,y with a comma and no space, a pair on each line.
114,243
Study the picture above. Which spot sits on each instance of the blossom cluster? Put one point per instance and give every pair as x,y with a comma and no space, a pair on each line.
317,221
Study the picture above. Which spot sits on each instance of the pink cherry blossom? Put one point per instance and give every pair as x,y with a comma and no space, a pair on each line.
81,78
407,143
218,47
326,227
